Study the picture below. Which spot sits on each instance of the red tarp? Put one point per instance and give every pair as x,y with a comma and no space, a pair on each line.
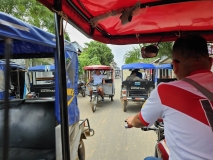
100,19
101,67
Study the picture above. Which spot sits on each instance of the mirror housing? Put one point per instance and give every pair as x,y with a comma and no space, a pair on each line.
149,51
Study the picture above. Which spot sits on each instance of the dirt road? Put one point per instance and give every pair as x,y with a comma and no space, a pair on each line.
111,140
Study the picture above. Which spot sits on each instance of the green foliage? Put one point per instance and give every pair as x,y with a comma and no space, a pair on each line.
99,50
85,60
32,12
134,55
95,53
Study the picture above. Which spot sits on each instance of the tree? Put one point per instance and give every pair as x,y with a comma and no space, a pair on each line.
99,50
95,53
134,55
85,60
32,12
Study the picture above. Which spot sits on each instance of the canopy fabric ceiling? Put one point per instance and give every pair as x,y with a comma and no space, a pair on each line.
101,67
152,20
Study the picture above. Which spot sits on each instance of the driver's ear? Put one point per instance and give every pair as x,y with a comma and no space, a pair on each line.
175,67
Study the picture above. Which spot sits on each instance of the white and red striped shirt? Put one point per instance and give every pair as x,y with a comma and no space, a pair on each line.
187,115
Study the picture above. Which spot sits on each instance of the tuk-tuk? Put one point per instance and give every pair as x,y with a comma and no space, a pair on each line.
164,73
136,90
117,73
17,85
108,87
40,128
42,81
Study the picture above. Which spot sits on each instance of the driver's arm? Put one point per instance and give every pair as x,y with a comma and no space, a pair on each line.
150,112
103,81
90,80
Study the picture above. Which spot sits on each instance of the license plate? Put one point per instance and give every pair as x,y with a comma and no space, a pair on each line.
137,83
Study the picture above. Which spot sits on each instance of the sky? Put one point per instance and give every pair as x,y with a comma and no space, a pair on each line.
118,50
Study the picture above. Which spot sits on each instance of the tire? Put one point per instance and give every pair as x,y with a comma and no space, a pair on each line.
124,105
94,103
111,98
83,93
81,151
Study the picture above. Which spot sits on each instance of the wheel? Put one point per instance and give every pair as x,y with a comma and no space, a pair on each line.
81,151
83,93
94,103
111,98
124,105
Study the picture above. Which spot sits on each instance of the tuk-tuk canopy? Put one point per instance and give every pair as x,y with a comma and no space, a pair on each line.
12,65
138,66
27,39
138,21
32,42
42,68
95,67
164,66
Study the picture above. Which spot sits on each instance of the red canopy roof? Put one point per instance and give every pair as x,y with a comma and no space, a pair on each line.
152,20
101,67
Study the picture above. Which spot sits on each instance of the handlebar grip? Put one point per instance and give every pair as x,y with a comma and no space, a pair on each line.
148,129
127,126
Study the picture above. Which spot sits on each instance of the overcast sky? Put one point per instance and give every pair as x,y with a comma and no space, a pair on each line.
117,50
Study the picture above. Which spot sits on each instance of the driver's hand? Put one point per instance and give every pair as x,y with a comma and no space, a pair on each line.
129,121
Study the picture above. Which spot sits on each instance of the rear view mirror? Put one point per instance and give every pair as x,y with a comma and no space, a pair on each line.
149,51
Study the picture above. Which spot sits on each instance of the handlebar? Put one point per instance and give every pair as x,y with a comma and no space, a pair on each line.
149,129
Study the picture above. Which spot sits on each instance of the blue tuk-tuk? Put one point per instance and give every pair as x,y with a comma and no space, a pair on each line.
42,81
40,128
164,73
17,86
137,87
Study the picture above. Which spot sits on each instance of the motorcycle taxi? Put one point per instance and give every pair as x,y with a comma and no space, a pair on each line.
41,127
108,87
136,90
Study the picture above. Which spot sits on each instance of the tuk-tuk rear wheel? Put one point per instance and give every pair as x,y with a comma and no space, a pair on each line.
124,105
81,151
111,98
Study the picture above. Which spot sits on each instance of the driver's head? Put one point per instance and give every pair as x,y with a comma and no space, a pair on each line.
133,73
97,72
190,53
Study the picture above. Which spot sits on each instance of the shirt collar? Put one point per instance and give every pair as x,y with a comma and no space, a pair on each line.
200,71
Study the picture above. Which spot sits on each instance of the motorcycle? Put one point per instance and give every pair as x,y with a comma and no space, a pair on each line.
81,88
161,149
95,97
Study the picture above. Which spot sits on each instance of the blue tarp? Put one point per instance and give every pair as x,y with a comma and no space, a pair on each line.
164,66
42,68
30,40
138,66
27,39
13,65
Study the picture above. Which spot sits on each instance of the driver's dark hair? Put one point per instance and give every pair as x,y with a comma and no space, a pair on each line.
191,46
134,71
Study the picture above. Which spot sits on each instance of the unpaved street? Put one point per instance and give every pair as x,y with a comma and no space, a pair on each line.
111,140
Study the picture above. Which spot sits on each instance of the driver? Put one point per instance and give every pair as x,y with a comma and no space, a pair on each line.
187,113
98,79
